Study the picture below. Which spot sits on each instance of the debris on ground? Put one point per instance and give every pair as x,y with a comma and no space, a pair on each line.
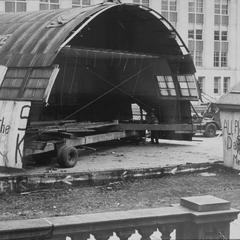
207,174
51,170
119,195
124,175
173,171
114,186
35,191
68,180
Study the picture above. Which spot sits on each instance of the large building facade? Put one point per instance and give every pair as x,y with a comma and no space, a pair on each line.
210,28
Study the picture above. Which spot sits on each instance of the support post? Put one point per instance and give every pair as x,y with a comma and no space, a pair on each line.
210,218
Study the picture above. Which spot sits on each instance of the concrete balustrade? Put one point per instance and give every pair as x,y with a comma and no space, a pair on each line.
202,217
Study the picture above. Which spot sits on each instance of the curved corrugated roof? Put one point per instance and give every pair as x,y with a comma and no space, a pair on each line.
35,38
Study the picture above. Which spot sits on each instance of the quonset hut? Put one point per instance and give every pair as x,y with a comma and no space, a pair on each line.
62,68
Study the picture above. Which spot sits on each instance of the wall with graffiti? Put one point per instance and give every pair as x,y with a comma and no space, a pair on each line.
13,122
231,138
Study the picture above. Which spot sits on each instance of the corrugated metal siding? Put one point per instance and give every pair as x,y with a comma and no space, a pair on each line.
32,42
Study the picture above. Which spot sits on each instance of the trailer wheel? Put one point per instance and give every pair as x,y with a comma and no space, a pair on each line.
67,156
210,130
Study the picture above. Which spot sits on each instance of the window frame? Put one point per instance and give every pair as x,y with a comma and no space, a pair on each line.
142,2
217,85
226,84
166,86
195,12
199,34
81,3
49,4
216,35
28,83
169,10
221,13
220,46
195,44
15,6
201,83
199,6
199,58
224,58
216,59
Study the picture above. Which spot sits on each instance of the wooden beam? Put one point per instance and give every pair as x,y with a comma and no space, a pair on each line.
184,127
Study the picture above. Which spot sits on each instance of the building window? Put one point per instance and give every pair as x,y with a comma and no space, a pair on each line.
15,6
190,34
226,84
166,85
225,7
25,83
201,83
198,58
187,85
80,3
199,6
216,35
195,18
217,7
169,11
220,49
195,6
195,11
199,34
191,6
216,59
173,5
220,35
216,88
223,59
221,12
195,45
142,2
49,4
224,35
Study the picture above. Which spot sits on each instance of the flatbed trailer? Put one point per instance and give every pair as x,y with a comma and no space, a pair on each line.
66,138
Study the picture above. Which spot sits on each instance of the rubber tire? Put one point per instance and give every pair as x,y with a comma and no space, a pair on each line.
67,156
210,130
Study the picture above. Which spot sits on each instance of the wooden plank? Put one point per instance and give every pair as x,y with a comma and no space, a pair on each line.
155,127
96,138
49,123
101,125
68,126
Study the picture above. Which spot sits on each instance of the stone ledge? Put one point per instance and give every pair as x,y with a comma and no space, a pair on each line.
25,229
205,203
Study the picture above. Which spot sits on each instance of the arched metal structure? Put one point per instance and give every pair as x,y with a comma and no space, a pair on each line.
91,64
128,51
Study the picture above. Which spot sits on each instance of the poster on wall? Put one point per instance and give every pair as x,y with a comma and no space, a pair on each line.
13,122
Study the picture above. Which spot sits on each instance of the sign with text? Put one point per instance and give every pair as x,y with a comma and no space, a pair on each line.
231,138
13,122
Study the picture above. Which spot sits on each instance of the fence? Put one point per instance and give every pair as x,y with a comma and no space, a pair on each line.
204,217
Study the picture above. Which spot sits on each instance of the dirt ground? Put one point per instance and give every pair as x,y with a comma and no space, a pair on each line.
119,155
144,193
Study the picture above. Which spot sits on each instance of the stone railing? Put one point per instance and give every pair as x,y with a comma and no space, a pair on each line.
204,217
